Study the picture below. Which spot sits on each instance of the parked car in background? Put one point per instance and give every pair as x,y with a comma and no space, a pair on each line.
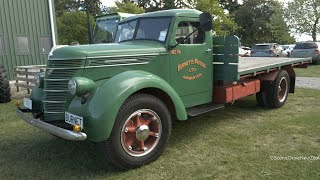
244,51
267,50
307,49
288,48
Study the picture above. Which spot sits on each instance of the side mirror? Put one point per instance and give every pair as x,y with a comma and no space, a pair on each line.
206,21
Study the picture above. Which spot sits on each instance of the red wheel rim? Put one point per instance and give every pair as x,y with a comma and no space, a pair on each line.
283,89
141,132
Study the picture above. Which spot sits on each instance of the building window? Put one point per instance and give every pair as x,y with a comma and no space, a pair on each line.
2,49
45,44
22,45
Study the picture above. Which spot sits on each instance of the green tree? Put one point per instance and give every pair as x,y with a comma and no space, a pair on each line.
279,29
62,6
156,5
93,7
72,26
223,24
127,7
261,21
303,16
230,5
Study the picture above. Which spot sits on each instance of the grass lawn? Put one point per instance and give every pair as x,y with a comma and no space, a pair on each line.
311,71
233,143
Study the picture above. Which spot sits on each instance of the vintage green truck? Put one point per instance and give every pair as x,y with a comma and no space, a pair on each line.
163,65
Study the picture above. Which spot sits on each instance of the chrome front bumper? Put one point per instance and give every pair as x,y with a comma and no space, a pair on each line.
60,132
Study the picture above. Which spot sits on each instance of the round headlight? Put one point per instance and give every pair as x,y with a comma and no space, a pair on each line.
72,86
37,80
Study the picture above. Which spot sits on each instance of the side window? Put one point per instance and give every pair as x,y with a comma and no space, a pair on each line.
45,44
22,45
185,28
2,49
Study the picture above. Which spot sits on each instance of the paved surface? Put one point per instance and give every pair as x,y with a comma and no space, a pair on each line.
308,82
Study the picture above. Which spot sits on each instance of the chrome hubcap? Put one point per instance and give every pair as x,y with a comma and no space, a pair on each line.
141,132
283,89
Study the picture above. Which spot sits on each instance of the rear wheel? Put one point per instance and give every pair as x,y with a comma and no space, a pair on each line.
140,132
277,93
5,95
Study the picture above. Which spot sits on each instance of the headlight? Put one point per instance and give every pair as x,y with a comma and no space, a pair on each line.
72,86
80,86
37,80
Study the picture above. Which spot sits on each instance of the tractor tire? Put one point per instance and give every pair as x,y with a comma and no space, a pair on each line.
140,132
5,95
277,93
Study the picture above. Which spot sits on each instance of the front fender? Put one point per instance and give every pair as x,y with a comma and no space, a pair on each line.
102,106
36,97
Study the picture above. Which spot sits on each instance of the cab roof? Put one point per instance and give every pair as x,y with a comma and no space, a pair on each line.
171,13
112,15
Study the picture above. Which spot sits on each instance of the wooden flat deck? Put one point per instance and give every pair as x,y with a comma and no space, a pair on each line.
249,65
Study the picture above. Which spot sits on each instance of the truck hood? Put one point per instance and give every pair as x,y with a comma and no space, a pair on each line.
102,50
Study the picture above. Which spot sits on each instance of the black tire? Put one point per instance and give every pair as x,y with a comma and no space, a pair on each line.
5,95
261,96
277,93
115,148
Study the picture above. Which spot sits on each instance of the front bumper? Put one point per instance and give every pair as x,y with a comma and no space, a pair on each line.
57,131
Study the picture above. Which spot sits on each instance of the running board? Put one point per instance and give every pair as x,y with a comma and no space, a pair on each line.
195,111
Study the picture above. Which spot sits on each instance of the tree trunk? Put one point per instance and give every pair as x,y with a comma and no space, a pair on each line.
314,29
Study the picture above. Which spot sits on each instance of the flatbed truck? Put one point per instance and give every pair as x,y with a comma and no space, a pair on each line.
163,65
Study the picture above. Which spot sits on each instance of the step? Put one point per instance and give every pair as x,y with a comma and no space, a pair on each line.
197,110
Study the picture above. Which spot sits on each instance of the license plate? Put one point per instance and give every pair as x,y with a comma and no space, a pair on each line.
27,103
73,119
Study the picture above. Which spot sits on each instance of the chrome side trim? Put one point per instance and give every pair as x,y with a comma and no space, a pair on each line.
56,90
60,132
65,68
116,65
52,112
119,61
98,57
56,79
54,101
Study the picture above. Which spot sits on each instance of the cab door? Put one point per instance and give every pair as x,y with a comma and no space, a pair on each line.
191,62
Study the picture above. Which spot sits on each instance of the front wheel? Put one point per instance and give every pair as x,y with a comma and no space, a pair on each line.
140,132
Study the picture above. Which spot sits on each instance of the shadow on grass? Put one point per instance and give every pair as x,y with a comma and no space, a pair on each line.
54,157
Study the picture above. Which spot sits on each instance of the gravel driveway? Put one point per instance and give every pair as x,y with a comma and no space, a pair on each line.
308,82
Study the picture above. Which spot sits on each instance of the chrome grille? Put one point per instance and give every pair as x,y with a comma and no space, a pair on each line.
58,73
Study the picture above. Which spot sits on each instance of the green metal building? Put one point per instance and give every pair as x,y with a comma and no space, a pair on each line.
27,32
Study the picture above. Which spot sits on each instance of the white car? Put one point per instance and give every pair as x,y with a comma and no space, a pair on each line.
288,48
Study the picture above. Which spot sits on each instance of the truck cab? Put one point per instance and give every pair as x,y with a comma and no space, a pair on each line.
163,65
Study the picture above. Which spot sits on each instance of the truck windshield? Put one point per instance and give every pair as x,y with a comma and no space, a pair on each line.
105,30
154,29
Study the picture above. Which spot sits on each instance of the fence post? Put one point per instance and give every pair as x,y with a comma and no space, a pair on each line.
16,74
26,70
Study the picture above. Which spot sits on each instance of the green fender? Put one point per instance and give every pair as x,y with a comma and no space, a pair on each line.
102,106
36,97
